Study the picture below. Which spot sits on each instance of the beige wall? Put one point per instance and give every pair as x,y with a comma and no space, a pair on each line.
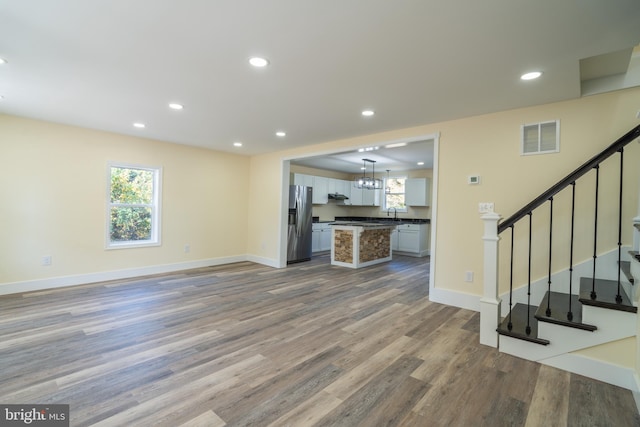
53,196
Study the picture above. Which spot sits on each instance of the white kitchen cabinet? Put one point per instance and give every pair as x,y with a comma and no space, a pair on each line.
325,238
362,197
320,190
302,179
320,237
416,191
412,239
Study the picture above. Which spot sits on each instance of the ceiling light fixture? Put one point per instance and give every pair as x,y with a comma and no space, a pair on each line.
420,163
281,134
365,182
3,61
531,76
259,62
176,106
397,144
139,125
237,144
368,113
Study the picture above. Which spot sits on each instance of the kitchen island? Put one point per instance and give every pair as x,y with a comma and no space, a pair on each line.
360,244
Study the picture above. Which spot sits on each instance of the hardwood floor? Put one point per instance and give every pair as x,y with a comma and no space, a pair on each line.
309,345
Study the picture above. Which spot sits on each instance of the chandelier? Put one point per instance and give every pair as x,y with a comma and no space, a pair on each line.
365,182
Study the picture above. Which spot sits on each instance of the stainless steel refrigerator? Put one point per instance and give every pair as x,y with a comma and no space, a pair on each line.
300,228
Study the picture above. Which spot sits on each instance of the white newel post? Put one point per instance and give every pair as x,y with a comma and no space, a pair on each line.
490,303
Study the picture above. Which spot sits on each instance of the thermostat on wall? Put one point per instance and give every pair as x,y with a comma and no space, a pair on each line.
473,179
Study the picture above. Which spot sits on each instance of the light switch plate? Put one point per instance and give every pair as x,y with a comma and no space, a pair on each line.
485,207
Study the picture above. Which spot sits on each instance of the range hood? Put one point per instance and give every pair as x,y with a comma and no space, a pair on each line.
336,196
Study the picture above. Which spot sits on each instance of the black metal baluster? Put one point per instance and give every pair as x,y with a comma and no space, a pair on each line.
528,330
510,324
595,237
548,312
573,211
618,296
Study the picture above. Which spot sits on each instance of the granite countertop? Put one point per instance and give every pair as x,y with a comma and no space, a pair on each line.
382,220
364,224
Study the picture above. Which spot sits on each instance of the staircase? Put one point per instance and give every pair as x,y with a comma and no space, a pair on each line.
580,305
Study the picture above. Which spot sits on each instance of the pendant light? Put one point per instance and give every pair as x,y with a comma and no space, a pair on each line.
365,182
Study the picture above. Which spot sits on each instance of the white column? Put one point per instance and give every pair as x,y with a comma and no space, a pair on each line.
490,303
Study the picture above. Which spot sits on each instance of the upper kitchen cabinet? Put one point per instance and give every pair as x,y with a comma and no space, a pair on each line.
319,184
417,191
302,179
363,197
320,190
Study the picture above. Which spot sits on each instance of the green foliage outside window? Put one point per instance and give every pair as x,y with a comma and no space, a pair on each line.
131,204
395,197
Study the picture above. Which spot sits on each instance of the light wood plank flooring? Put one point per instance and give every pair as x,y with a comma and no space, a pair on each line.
309,345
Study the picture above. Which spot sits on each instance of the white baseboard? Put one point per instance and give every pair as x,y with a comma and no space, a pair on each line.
596,369
269,262
81,279
456,299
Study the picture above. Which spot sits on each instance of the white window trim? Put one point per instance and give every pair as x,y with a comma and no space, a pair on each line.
383,205
556,150
156,224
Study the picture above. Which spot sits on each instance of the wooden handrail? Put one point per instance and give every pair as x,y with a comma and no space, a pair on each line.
572,177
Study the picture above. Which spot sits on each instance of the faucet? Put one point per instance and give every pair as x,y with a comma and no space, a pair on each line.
395,213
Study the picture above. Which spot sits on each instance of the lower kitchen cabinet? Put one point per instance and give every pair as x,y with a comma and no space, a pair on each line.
411,239
321,237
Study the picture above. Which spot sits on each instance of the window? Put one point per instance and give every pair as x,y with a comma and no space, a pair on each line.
539,138
394,197
133,206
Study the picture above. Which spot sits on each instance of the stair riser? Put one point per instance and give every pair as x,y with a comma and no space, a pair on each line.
612,326
607,268
635,271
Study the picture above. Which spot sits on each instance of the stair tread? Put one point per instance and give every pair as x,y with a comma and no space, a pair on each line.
518,317
606,292
635,255
558,303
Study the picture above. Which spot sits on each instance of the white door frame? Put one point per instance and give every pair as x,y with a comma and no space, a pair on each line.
284,206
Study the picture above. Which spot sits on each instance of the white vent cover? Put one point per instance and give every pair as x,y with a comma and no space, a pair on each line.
540,138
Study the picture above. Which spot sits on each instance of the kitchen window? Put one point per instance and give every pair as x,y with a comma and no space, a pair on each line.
394,194
133,206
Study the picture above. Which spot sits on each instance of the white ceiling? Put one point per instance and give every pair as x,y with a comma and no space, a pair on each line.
105,64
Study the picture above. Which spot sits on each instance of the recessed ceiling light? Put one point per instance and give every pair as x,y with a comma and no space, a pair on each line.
257,61
531,76
3,61
368,113
237,144
281,134
176,106
420,163
397,144
1,97
139,125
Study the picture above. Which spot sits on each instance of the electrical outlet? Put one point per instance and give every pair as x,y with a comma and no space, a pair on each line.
485,207
468,277
187,248
46,260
